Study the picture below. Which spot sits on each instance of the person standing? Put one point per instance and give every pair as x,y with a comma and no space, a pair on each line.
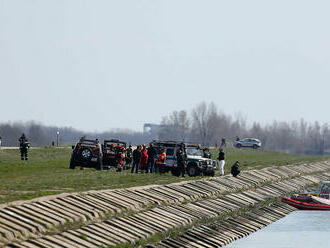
144,158
181,159
152,154
160,161
223,142
23,147
129,152
222,162
136,159
119,157
207,153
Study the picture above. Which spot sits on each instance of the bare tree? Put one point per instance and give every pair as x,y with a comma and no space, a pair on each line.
175,126
208,124
199,121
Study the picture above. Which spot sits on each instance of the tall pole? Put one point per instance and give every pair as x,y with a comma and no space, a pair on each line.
57,134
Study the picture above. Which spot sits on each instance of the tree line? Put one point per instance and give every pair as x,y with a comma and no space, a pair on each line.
205,124
41,135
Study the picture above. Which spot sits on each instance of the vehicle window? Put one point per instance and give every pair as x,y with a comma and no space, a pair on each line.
193,152
325,189
169,152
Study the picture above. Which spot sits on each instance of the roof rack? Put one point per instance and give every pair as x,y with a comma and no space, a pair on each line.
88,141
114,141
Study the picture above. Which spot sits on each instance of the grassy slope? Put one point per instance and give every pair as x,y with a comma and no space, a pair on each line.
252,159
47,172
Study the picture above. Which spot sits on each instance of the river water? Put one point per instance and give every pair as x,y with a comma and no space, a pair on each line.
298,229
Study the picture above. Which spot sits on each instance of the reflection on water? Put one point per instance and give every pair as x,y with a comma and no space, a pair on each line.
298,229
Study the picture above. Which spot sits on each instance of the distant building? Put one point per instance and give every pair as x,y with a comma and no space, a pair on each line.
152,130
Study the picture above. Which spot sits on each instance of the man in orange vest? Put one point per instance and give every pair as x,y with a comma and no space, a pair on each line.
160,160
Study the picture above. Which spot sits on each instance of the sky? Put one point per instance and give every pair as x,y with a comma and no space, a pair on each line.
101,64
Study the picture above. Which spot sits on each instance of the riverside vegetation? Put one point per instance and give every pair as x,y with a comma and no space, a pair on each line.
47,173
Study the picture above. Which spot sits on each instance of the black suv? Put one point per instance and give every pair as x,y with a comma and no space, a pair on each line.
87,153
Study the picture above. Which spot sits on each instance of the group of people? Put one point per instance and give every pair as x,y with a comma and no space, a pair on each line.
224,142
207,153
146,159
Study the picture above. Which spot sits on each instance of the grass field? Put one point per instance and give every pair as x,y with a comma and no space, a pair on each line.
47,172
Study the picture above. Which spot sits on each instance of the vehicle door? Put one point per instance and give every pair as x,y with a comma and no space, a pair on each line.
248,143
170,156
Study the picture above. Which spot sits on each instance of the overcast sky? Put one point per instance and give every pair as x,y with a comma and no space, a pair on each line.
102,64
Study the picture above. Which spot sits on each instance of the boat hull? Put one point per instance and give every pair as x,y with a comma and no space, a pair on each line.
305,206
320,200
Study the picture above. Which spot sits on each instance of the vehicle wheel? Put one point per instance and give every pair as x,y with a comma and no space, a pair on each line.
238,145
212,173
255,147
86,153
175,172
72,165
192,170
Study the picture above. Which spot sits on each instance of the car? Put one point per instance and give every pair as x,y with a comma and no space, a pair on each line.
196,164
114,154
87,153
248,142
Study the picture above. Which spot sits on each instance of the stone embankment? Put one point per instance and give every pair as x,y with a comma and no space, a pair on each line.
136,215
221,233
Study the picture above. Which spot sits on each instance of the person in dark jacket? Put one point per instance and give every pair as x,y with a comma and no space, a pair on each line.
152,155
222,162
235,169
136,159
181,158
223,142
129,153
207,153
23,147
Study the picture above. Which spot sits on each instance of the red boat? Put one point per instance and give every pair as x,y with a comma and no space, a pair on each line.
302,198
305,205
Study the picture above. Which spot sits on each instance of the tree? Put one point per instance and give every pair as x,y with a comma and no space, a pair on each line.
175,126
206,122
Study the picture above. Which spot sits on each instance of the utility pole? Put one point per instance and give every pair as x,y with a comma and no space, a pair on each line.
57,134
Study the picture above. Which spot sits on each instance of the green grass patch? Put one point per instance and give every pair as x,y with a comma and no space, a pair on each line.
257,159
47,172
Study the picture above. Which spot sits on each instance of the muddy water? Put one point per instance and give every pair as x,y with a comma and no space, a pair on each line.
298,229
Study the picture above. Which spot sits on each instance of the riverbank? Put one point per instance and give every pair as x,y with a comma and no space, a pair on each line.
147,215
